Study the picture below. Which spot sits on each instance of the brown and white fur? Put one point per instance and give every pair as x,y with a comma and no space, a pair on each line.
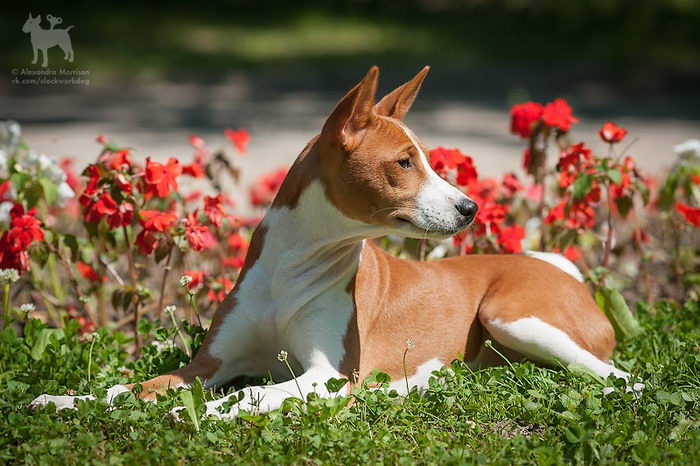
315,285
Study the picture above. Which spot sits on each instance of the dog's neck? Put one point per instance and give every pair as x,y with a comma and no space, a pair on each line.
308,247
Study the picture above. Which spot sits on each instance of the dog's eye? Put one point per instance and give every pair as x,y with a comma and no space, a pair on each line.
405,163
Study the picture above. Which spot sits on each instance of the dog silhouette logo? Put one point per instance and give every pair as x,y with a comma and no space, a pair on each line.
44,39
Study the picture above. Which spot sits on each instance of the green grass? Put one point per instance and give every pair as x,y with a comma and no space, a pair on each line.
523,414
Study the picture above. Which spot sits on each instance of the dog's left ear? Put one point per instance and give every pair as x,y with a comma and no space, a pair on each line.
397,103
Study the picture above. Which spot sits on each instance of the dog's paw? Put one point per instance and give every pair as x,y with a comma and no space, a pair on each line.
61,401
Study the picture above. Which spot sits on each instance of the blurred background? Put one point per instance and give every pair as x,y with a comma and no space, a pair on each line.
162,71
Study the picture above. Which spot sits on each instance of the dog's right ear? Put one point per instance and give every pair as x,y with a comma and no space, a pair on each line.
353,113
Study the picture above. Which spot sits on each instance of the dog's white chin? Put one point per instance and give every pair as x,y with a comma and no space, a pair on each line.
411,230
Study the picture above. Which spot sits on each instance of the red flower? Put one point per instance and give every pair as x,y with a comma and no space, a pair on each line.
510,238
122,216
238,138
195,232
89,273
611,133
24,230
234,261
691,214
101,138
160,178
195,170
558,114
147,241
196,141
556,213
444,161
197,277
696,178
98,207
264,191
512,184
491,212
237,243
220,289
153,220
71,178
523,117
120,160
123,183
573,161
214,210
572,253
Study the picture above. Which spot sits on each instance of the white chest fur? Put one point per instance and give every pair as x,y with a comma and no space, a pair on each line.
295,296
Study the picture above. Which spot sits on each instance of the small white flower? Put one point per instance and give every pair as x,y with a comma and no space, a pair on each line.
282,357
27,307
170,309
185,280
690,147
9,275
409,344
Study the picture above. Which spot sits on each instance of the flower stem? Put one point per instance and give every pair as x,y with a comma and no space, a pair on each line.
294,376
185,341
405,372
608,241
133,276
5,305
166,271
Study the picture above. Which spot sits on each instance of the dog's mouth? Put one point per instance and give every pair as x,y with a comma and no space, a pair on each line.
434,231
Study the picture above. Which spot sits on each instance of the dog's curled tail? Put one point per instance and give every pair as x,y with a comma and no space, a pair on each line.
69,28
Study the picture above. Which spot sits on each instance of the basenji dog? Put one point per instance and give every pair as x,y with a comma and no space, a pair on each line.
316,286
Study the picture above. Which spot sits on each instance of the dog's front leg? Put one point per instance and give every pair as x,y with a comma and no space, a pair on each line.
34,49
265,398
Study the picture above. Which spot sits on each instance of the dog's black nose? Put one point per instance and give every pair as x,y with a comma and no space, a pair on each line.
468,208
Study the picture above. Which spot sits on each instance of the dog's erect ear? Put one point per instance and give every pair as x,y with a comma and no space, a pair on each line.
397,103
354,112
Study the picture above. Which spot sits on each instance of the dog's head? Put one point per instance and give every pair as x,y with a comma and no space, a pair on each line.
376,170
31,23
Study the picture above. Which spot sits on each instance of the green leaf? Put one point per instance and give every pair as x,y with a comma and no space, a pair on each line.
50,190
615,308
188,401
624,204
615,175
42,340
582,185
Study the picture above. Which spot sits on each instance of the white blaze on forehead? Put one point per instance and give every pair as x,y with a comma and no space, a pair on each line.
433,178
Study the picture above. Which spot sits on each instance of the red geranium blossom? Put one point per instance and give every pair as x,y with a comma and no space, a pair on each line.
160,178
154,220
120,160
194,231
238,138
122,216
195,170
24,230
214,210
197,277
445,160
89,273
147,241
573,161
512,184
523,117
611,133
510,238
558,114
264,191
691,214
220,289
